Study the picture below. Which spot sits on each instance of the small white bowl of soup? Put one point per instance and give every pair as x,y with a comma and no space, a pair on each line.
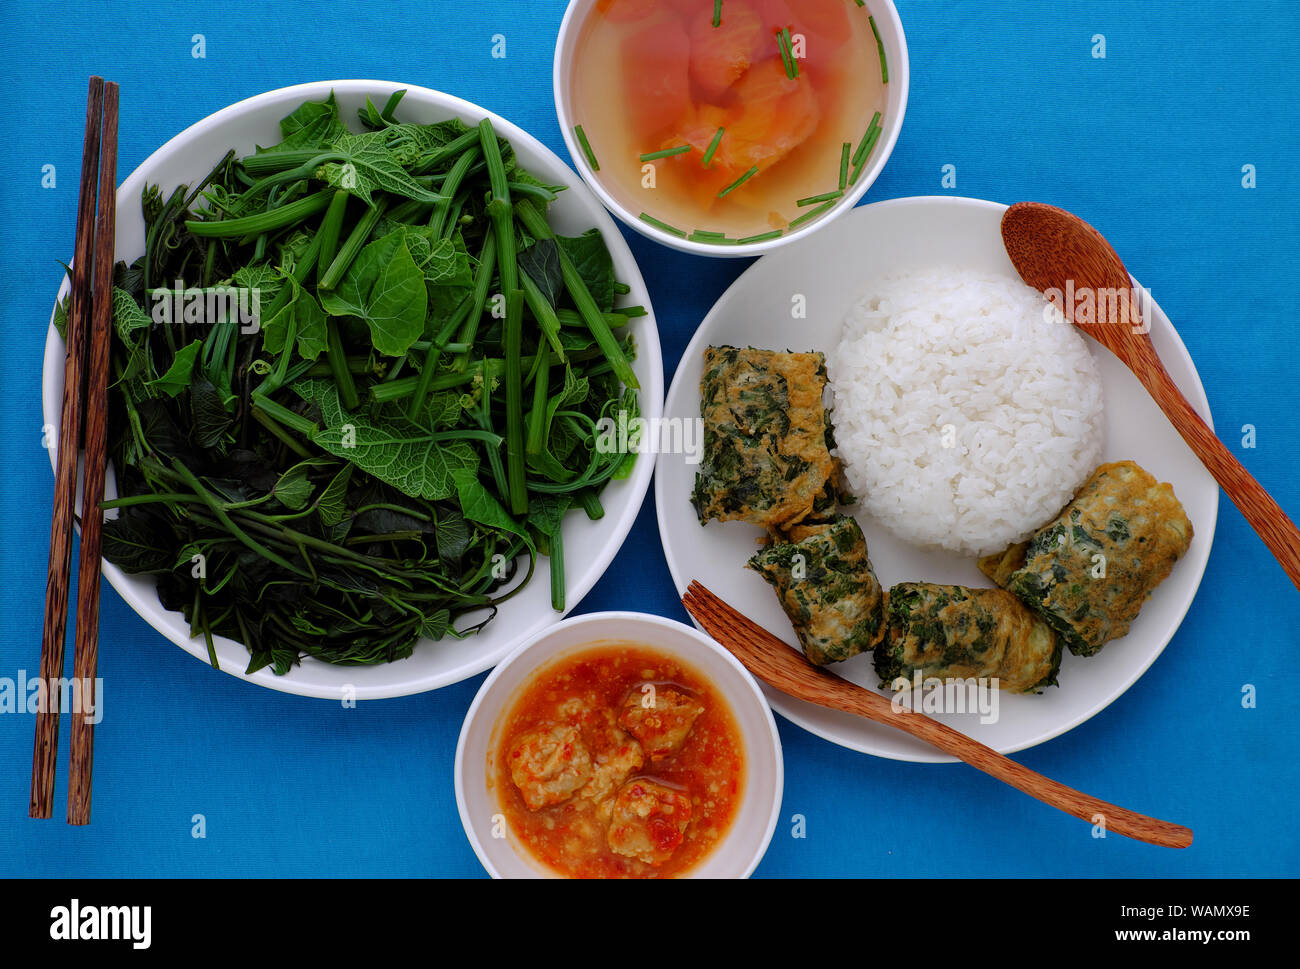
732,128
619,745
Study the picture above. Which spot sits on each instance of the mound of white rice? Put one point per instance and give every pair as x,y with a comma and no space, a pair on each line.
967,410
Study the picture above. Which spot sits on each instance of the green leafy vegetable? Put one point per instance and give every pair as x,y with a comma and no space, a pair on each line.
330,477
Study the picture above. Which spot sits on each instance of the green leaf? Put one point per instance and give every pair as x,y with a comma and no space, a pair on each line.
435,627
546,512
131,542
453,538
541,261
262,278
312,124
372,116
574,392
128,317
332,503
632,406
479,505
61,315
386,289
311,333
444,262
294,487
392,449
211,421
448,275
443,410
177,377
591,258
371,166
411,143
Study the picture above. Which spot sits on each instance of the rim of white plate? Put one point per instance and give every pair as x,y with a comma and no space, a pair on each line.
796,710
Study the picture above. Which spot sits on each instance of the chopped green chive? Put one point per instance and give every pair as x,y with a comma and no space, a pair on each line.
787,58
789,46
586,148
738,182
828,197
651,220
867,137
713,147
871,143
844,165
880,46
809,216
762,237
666,153
717,13
711,237
860,3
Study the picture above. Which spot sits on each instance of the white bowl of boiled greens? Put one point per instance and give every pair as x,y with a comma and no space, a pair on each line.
395,463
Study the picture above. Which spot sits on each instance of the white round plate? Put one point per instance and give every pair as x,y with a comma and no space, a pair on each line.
831,271
589,546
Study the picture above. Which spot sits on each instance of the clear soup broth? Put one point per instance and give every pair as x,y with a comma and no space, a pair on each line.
770,97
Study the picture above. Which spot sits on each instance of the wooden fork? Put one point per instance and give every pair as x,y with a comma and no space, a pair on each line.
783,668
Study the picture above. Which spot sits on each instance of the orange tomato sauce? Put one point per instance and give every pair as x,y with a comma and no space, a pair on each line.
650,75
589,689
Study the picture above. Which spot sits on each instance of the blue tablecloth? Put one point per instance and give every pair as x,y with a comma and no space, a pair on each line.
1150,144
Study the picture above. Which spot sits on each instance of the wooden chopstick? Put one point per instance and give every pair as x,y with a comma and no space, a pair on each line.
46,747
783,668
81,747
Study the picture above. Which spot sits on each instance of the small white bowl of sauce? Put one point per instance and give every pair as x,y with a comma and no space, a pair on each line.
619,745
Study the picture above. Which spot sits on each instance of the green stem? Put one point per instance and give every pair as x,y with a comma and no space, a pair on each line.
515,403
536,224
557,569
217,509
338,361
330,227
247,225
537,416
265,419
499,209
357,239
482,282
449,188
431,359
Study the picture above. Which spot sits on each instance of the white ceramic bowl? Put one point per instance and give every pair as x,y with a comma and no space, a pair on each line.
741,849
589,546
891,34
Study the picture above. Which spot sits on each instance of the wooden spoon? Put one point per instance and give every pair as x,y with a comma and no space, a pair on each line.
1060,254
781,667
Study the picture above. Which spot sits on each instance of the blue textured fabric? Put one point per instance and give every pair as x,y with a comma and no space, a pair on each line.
1149,143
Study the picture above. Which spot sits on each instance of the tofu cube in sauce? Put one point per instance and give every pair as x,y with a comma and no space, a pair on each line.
660,719
648,821
549,765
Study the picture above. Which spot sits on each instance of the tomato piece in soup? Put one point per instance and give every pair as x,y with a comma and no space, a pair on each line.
698,129
656,76
772,115
720,55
